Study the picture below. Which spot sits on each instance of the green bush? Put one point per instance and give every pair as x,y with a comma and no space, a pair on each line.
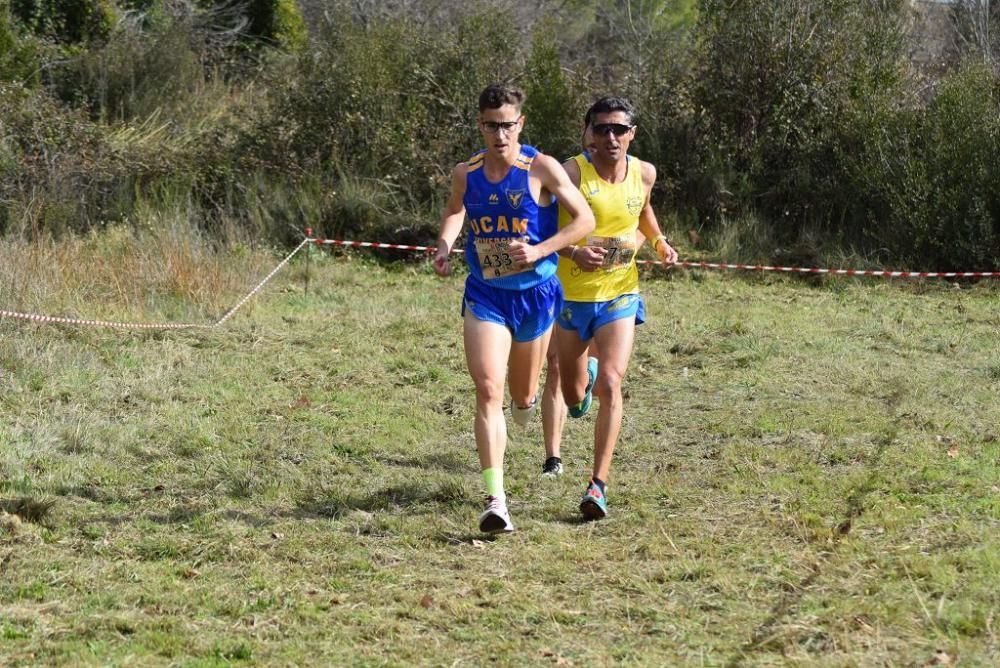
62,173
672,131
278,22
927,177
133,74
555,102
66,21
389,103
776,81
19,53
58,172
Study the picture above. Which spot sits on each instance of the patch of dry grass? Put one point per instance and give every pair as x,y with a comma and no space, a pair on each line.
158,272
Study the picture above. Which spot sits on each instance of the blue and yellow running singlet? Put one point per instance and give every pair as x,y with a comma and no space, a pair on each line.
500,213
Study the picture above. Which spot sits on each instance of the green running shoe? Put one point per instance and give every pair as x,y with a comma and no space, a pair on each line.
581,408
595,504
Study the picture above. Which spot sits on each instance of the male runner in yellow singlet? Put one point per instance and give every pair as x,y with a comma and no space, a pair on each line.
601,282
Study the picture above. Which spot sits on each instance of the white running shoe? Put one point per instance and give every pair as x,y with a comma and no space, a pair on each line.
495,519
522,416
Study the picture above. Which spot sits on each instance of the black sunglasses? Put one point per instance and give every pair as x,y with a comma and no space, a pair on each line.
620,129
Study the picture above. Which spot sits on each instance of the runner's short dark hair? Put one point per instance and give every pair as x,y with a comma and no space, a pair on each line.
496,95
608,104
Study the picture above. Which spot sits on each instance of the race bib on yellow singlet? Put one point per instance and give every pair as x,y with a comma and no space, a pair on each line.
495,260
620,250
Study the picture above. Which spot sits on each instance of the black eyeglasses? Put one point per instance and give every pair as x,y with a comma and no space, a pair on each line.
497,126
620,129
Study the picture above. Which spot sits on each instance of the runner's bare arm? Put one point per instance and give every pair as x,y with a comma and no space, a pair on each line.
451,220
553,178
588,258
649,228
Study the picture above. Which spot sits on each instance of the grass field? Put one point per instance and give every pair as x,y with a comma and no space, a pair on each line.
808,474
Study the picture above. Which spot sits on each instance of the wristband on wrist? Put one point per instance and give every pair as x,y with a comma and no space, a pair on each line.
572,253
658,238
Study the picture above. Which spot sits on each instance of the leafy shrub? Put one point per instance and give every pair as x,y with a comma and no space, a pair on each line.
134,73
19,53
672,131
62,173
278,22
928,176
776,81
57,168
388,103
555,103
66,21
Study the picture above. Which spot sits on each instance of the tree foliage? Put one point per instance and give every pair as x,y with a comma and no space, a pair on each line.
927,177
19,55
66,21
778,82
805,116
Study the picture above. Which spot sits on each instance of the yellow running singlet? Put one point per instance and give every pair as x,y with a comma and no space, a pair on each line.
616,207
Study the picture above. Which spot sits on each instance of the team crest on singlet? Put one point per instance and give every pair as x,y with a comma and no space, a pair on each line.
514,197
634,205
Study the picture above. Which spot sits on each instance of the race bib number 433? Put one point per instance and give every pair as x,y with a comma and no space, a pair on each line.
620,250
495,260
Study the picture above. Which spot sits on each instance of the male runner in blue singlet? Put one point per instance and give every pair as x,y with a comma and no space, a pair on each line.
512,296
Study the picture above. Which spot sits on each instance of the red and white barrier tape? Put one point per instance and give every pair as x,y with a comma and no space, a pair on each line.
267,278
35,317
836,272
717,265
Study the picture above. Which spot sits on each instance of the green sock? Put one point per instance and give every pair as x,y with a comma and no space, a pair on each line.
494,482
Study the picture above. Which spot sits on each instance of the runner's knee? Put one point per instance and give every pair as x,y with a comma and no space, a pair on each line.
609,384
489,391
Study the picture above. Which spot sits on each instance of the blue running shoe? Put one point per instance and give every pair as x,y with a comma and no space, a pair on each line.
595,504
581,408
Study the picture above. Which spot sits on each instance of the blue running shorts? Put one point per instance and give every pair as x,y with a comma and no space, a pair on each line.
527,313
585,318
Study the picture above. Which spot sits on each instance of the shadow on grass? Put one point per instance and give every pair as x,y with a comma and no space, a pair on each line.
34,510
451,462
403,495
470,539
476,538
331,504
248,518
576,519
